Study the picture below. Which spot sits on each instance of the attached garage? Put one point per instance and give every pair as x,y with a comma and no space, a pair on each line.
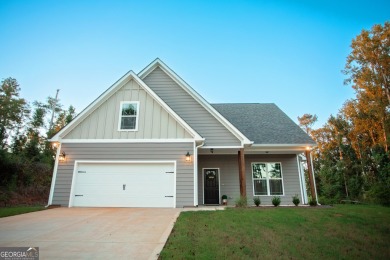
123,184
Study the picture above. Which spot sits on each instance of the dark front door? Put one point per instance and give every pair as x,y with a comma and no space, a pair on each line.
211,186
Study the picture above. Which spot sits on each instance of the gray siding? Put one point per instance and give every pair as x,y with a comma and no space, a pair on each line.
154,121
115,151
229,180
190,110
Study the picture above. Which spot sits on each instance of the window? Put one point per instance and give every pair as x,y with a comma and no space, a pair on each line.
267,179
128,117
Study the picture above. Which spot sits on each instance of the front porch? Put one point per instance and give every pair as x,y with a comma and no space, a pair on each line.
230,172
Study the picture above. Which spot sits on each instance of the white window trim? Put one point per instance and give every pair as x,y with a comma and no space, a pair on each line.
120,116
268,186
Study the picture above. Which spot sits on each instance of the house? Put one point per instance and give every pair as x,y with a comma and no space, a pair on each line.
150,140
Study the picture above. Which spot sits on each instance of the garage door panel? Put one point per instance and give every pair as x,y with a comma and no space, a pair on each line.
124,185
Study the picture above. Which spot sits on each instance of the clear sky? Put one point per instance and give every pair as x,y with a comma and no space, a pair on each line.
286,52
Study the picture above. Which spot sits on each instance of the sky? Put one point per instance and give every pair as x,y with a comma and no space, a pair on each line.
290,53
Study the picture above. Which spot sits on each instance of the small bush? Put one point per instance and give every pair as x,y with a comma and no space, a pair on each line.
327,201
257,201
224,197
312,202
276,201
296,200
242,202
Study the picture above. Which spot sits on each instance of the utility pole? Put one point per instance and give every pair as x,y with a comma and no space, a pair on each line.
53,108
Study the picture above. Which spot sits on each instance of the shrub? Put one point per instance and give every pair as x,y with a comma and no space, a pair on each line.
276,201
224,197
242,202
257,201
296,200
312,202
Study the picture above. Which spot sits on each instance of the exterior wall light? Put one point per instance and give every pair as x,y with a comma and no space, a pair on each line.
188,157
62,157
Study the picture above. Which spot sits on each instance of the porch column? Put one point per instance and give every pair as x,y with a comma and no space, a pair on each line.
241,171
310,173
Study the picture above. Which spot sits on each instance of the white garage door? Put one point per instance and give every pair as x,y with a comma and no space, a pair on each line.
123,185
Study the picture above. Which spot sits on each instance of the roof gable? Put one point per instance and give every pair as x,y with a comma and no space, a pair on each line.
197,97
109,93
265,124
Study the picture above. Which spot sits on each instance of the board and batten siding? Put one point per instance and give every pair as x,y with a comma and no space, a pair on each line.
229,178
127,152
154,121
190,110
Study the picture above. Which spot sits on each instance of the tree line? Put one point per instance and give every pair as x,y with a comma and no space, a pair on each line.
26,155
352,159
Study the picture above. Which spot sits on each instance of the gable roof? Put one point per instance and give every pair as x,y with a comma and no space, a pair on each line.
108,93
264,124
233,129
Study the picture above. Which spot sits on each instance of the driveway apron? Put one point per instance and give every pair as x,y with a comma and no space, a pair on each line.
86,233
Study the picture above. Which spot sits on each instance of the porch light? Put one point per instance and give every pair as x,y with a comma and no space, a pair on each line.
307,148
62,157
188,157
55,145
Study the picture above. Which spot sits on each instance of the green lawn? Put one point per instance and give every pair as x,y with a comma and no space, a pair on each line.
340,232
11,211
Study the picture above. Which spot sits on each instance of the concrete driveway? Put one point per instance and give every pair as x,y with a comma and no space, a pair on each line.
91,233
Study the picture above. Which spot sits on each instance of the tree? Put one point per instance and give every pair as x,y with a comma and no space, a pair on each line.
307,121
368,69
13,110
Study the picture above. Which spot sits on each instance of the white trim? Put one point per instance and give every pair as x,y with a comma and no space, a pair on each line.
219,183
127,141
301,181
77,162
314,177
157,62
120,116
54,177
108,93
222,147
296,148
283,145
267,179
196,182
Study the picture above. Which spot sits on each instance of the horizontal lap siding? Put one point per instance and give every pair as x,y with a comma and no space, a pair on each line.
229,178
228,172
290,177
127,152
190,110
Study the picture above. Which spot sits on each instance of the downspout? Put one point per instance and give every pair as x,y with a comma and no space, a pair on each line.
302,180
196,195
54,177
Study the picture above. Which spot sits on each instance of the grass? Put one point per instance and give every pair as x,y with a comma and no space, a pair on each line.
340,232
11,211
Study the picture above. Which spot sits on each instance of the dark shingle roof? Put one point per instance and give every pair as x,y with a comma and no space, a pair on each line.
263,123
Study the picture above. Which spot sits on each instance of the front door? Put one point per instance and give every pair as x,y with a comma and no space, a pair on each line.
211,186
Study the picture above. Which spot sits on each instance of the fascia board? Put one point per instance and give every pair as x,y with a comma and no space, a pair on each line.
91,107
196,96
281,147
109,92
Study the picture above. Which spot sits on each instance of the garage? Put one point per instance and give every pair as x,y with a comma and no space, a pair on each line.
123,184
